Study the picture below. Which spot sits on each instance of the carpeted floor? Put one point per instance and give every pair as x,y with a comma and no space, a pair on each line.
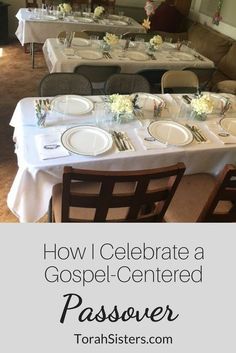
17,80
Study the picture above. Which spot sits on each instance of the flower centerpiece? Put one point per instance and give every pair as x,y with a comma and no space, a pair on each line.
98,11
122,106
109,40
202,105
155,42
65,8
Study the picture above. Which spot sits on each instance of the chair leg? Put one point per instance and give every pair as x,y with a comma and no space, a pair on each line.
50,212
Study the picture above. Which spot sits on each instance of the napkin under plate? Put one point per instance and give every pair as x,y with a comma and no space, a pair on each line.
142,133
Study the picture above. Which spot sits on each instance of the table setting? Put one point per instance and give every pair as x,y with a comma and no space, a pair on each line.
112,133
131,55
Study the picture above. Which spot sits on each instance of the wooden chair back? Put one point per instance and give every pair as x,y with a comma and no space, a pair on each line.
130,196
224,191
179,79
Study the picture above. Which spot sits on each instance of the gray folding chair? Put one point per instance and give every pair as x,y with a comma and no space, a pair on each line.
126,84
64,83
97,74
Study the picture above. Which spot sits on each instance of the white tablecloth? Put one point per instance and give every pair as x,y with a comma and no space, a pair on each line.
32,30
31,190
58,61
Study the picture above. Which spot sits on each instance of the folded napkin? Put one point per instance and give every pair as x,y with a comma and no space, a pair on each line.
143,134
49,146
69,51
216,129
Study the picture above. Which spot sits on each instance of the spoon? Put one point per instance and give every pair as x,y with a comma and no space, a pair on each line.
150,139
223,134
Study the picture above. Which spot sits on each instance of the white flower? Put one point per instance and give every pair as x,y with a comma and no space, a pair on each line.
65,7
156,41
111,39
202,105
98,11
121,104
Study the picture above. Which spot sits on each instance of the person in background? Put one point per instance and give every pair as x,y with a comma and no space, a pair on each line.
167,18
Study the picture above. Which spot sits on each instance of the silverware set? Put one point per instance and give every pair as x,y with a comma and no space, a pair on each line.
107,55
199,137
121,141
187,99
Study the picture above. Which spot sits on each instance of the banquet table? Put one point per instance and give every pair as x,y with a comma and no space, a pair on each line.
32,29
31,190
136,58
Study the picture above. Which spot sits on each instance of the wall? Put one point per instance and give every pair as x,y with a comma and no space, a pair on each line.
203,10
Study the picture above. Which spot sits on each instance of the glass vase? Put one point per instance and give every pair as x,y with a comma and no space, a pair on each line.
198,116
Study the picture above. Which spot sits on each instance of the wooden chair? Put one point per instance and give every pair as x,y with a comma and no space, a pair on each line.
177,81
127,84
203,198
97,74
60,83
130,196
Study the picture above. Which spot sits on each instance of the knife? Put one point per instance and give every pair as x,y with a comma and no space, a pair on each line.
117,141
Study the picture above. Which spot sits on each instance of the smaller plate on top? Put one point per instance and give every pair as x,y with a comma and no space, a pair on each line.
89,54
170,133
137,55
184,56
86,140
71,105
229,125
80,42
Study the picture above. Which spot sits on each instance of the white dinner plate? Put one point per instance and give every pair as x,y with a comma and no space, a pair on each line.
71,105
184,56
146,100
137,55
86,140
115,17
84,19
49,18
89,54
170,133
118,23
229,125
80,42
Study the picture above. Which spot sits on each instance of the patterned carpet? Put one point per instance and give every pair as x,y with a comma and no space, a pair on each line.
17,80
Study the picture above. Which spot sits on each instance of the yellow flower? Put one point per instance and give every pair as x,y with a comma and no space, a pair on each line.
156,41
202,104
146,23
111,39
98,11
65,7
